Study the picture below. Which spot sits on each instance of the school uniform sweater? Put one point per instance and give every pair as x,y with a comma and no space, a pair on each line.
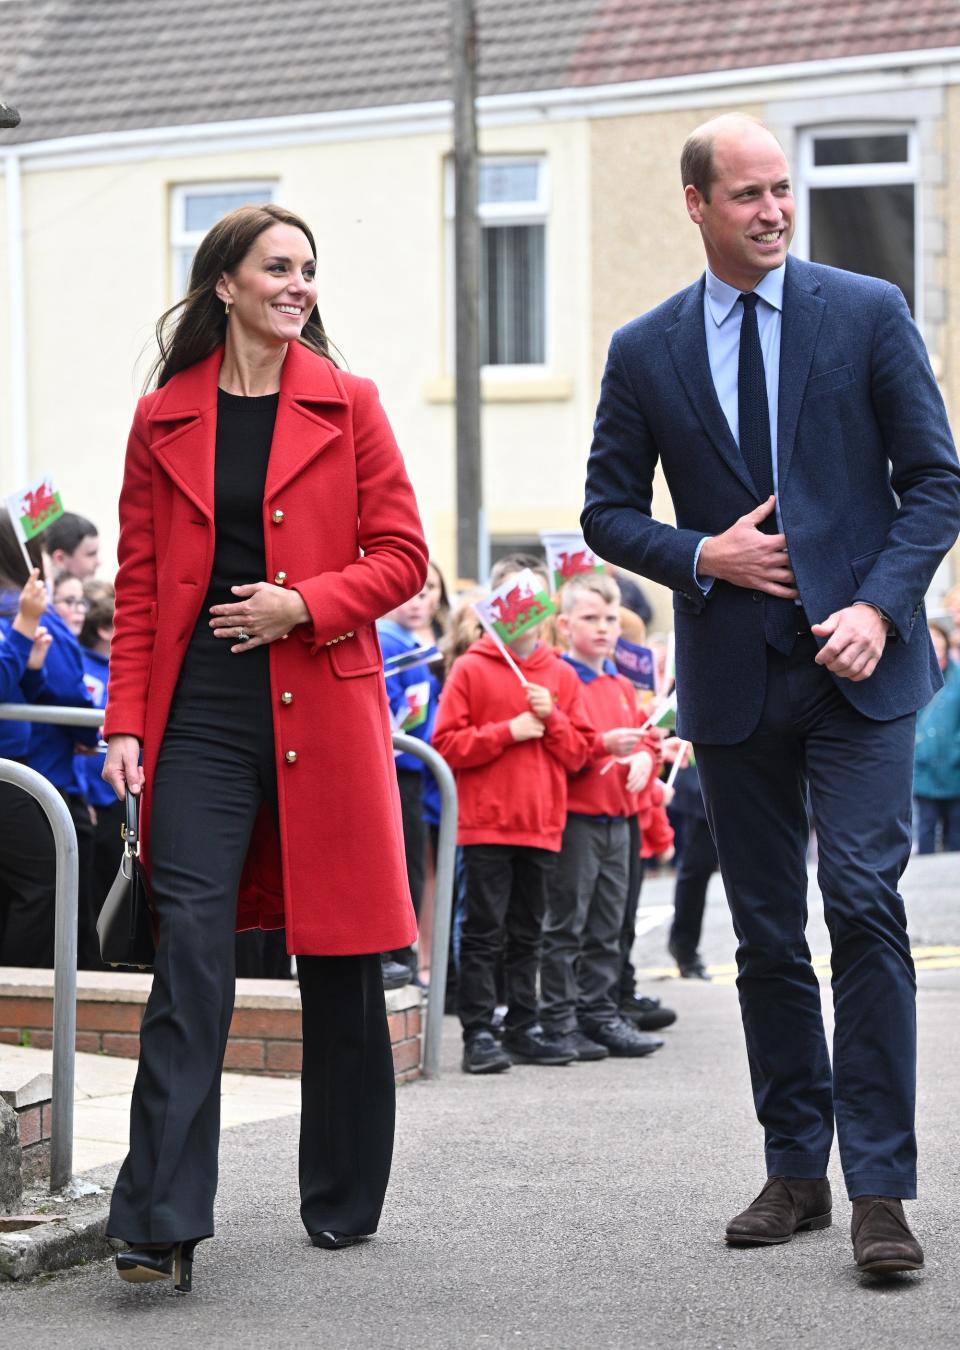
511,792
609,701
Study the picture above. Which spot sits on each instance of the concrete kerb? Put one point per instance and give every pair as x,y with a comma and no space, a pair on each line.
56,1245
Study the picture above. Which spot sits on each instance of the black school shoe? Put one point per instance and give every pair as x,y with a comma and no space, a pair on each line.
395,973
533,1046
482,1054
582,1047
647,1013
623,1040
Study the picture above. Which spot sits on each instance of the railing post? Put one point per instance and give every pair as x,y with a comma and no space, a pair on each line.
64,964
443,903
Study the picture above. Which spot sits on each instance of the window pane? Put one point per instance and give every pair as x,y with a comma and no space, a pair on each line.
860,150
512,319
509,183
203,209
866,229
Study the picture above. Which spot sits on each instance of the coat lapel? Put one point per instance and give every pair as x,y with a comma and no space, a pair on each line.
803,310
687,342
183,422
307,386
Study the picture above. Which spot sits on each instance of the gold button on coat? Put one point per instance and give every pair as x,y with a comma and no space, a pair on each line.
286,697
277,517
279,578
291,756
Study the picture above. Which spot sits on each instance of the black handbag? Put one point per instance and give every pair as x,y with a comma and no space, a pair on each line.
125,927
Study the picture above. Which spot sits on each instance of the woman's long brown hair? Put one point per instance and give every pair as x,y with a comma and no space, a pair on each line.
196,325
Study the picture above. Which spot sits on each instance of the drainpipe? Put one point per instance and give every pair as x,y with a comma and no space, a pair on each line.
19,459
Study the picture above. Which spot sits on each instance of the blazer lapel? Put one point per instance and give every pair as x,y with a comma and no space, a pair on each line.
183,420
687,342
307,386
803,310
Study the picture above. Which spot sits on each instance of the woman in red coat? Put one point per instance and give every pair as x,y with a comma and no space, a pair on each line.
266,522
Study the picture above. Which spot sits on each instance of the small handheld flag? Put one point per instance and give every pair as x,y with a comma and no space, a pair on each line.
413,711
512,610
638,664
568,555
419,656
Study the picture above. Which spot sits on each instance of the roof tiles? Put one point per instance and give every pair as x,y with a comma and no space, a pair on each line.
77,66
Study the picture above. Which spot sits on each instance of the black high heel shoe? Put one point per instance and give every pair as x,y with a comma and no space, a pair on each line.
139,1265
332,1241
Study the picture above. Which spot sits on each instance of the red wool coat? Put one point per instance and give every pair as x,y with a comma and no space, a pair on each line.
341,526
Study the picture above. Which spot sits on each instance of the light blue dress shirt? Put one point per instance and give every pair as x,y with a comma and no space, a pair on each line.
722,317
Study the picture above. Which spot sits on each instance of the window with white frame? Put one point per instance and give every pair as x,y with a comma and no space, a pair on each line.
861,201
194,208
513,208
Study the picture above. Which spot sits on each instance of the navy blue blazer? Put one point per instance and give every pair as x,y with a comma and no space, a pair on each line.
869,486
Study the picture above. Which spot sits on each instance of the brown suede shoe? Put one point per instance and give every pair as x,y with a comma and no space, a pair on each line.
785,1206
882,1241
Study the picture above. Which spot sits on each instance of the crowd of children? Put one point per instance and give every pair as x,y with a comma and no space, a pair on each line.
559,799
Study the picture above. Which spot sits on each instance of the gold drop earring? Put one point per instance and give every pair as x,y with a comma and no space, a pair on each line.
226,308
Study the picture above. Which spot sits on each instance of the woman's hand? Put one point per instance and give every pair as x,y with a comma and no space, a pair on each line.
33,601
264,613
121,767
38,652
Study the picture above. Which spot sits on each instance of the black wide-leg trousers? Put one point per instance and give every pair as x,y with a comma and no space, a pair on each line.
215,770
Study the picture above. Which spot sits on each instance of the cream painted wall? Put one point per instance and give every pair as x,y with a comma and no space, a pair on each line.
97,257
645,248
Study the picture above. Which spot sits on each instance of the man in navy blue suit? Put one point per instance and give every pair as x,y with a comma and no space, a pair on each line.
816,488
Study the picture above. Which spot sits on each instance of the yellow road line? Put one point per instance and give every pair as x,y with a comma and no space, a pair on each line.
924,958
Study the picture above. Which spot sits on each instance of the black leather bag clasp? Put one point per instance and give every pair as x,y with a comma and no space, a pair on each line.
125,928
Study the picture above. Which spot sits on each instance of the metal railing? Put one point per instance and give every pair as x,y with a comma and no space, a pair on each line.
67,881
443,893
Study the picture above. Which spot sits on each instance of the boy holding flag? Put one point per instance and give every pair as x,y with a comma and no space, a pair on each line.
580,967
511,725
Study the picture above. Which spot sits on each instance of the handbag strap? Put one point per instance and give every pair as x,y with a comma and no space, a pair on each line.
131,827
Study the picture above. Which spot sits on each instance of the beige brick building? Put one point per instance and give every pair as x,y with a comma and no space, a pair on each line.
141,124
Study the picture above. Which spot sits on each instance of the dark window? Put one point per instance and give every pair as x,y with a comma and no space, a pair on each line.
868,229
512,299
831,150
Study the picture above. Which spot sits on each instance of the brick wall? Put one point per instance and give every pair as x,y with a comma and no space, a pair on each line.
264,1034
29,1098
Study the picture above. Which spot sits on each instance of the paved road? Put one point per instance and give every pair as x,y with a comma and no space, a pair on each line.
555,1208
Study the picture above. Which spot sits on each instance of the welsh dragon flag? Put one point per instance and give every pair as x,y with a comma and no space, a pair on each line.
515,607
33,509
413,713
568,556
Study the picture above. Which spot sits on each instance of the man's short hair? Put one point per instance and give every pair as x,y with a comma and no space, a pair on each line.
589,583
696,163
68,532
516,562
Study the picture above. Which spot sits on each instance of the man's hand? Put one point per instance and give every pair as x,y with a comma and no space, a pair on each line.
526,726
857,636
620,741
745,556
540,700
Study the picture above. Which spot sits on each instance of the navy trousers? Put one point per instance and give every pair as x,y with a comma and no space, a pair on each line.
859,774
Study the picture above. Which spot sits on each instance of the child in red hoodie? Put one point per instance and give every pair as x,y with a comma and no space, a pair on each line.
580,964
510,748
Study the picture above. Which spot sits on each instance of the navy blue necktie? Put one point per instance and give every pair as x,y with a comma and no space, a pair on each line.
780,616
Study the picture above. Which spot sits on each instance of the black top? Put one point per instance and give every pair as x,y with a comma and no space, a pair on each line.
244,432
